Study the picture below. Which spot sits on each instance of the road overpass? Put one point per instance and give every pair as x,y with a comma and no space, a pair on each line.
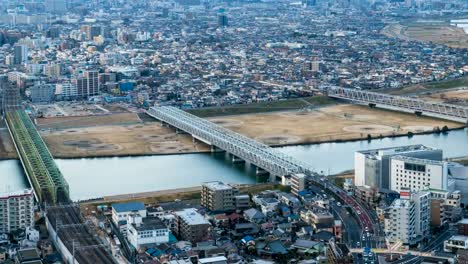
271,160
449,112
43,175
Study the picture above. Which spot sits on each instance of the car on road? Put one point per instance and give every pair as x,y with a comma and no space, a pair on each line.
338,203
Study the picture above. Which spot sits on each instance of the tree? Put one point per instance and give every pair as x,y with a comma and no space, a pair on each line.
445,129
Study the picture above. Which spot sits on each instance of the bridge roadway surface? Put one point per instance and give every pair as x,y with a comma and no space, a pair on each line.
50,187
256,153
450,112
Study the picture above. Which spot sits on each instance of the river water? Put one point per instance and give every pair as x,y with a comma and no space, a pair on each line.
96,177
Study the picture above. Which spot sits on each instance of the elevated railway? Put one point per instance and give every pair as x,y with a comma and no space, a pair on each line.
406,104
50,187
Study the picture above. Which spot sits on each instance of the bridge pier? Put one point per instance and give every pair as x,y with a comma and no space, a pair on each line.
236,159
215,149
259,171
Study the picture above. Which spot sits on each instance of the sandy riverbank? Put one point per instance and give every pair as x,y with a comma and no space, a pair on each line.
126,134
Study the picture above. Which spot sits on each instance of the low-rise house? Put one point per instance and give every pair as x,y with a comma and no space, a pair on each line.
255,216
308,247
271,248
29,255
241,230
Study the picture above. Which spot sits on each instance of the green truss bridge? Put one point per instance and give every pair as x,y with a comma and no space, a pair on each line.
48,183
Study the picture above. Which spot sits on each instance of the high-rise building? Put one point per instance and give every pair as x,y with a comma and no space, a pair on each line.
91,31
53,70
16,210
407,218
21,54
11,99
42,93
222,20
372,167
66,90
218,196
418,174
88,85
56,6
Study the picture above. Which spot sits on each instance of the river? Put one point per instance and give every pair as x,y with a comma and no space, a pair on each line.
96,177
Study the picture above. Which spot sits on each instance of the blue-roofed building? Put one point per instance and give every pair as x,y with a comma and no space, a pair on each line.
120,212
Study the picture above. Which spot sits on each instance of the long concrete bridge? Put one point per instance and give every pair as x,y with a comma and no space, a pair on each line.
450,112
50,187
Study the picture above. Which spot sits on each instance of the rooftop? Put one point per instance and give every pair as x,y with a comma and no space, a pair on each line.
419,161
395,150
459,238
212,260
150,223
19,193
128,207
192,217
217,185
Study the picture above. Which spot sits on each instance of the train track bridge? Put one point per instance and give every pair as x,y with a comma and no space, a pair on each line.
256,153
48,183
449,112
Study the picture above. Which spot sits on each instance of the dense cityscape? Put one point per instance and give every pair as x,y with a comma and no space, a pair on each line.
205,131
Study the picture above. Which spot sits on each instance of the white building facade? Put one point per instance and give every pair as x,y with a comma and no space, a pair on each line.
418,174
150,230
372,167
16,210
407,219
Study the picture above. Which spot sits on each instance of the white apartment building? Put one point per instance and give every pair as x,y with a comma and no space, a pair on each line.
16,210
407,219
121,211
150,230
418,174
372,167
66,90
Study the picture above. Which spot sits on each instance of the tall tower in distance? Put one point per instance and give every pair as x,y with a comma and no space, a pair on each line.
222,18
20,53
